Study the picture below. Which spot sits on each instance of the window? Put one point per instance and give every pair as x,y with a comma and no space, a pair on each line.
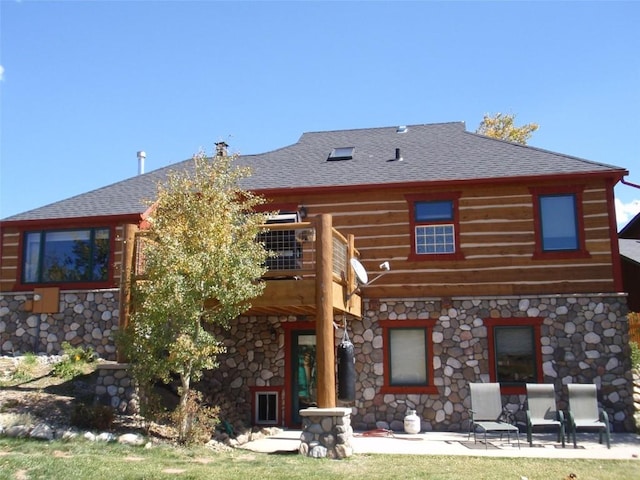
558,222
266,408
266,405
66,256
435,230
514,348
408,367
342,153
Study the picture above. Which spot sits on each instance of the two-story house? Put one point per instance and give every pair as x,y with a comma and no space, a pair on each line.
504,266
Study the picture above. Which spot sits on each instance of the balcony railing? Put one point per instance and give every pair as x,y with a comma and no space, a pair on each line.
291,276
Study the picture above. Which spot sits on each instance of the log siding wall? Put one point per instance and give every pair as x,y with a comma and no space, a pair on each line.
497,240
11,256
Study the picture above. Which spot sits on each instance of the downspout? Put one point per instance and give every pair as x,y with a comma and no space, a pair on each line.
615,248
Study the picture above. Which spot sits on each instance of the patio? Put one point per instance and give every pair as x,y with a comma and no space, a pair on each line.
624,446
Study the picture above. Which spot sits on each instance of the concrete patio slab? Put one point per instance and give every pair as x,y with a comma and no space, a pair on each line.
624,446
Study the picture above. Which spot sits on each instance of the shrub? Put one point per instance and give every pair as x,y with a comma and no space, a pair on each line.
26,367
201,420
73,362
635,355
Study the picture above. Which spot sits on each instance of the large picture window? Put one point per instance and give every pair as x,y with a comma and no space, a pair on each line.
66,256
407,356
434,221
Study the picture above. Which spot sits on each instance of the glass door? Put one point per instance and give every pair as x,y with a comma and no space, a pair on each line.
303,375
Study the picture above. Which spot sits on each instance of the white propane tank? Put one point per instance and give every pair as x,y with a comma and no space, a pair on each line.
411,422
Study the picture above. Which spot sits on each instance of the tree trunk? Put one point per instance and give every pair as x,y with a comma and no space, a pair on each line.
184,426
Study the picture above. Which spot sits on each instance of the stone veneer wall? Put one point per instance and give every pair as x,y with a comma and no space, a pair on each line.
85,319
584,340
254,358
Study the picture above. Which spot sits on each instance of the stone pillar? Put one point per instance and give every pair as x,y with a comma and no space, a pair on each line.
326,433
115,387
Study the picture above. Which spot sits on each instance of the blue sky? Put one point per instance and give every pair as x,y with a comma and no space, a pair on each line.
84,85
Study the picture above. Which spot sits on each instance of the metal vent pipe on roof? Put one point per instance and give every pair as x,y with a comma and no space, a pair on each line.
141,156
398,156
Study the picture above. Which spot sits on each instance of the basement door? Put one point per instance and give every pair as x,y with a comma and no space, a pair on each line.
303,372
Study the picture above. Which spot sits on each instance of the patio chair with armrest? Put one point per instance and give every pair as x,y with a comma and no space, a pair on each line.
542,410
584,413
486,412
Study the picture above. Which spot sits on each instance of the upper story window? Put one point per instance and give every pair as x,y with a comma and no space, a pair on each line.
80,255
559,222
434,221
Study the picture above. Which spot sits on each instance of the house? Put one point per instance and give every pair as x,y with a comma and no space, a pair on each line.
504,266
629,244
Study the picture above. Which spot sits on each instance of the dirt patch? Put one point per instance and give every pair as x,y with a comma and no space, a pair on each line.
36,394
43,396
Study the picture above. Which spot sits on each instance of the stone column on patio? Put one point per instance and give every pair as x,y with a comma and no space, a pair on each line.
326,433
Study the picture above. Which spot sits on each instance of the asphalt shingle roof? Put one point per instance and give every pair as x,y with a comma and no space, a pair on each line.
432,152
630,248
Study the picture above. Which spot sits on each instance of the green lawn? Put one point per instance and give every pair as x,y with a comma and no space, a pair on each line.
29,459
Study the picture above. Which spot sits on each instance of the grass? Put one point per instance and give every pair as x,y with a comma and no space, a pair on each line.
27,368
29,459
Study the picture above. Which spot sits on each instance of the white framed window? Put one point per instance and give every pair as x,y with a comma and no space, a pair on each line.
435,227
267,405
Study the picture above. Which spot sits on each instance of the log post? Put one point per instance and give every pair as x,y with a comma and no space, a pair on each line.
126,274
325,352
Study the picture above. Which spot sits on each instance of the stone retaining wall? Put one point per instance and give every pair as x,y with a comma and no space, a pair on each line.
115,387
84,319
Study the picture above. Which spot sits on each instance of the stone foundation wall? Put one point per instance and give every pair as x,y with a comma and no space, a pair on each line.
584,340
84,318
254,358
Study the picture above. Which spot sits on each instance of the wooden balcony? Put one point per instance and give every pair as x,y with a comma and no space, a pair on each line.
293,281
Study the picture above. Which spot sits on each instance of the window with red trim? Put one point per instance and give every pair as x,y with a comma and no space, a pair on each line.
434,227
514,351
66,256
559,223
407,351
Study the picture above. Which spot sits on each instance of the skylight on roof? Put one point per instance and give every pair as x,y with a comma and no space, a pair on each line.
341,153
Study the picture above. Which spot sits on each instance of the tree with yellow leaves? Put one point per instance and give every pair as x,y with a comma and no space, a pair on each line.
202,268
502,126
